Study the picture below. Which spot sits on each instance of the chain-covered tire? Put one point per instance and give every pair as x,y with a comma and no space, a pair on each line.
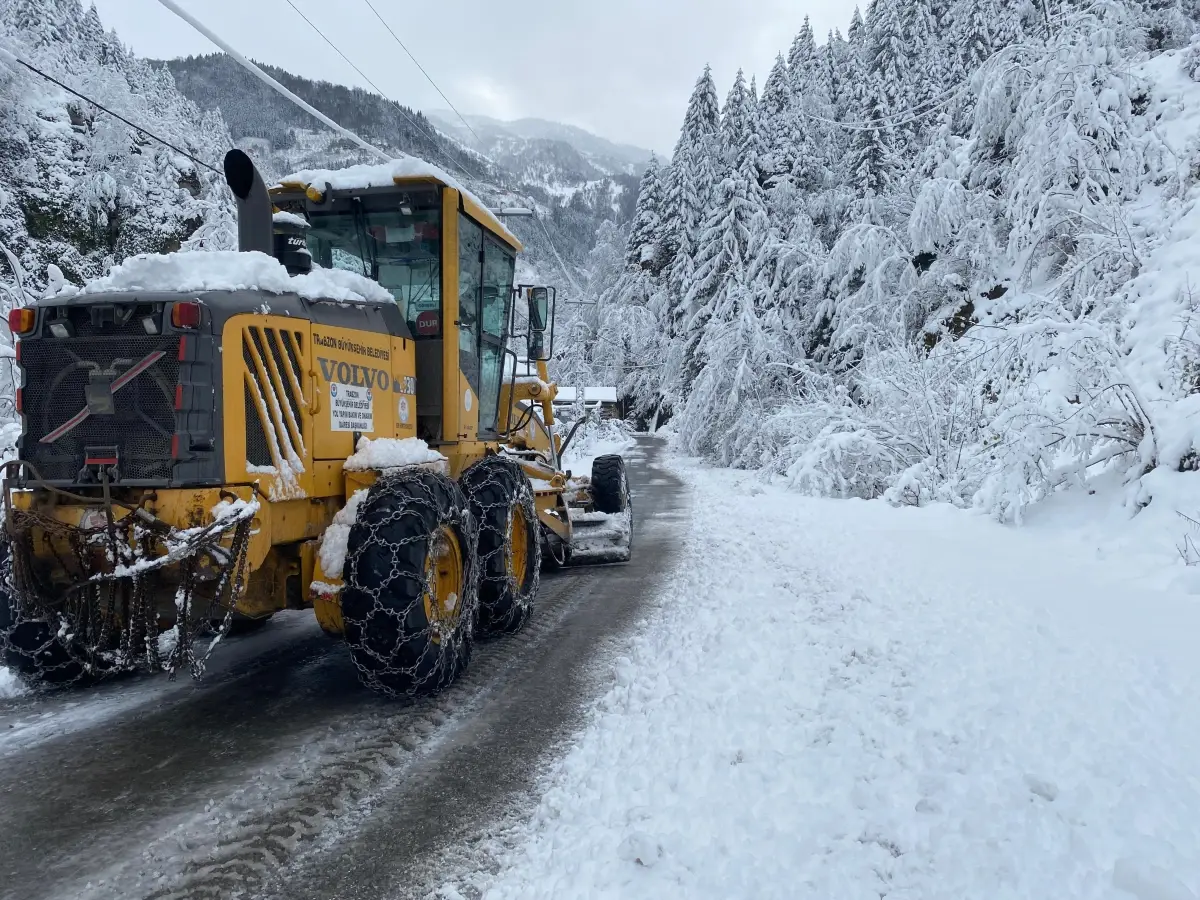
409,599
510,548
30,646
610,485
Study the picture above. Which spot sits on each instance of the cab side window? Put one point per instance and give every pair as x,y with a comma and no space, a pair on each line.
498,266
470,280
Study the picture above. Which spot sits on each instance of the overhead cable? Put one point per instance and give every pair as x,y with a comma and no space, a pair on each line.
271,82
428,77
118,116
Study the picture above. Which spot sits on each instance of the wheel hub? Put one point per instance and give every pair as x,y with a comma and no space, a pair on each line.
444,582
517,562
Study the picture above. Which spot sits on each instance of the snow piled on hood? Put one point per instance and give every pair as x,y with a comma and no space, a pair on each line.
230,270
391,453
384,175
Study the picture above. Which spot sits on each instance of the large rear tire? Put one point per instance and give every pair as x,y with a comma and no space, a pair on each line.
409,599
501,499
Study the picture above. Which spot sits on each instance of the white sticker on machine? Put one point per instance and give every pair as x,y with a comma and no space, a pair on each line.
352,408
403,410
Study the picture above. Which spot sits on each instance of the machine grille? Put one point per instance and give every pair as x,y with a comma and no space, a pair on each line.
56,377
274,397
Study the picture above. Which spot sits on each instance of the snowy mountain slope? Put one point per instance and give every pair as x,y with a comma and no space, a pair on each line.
571,190
289,139
605,156
976,711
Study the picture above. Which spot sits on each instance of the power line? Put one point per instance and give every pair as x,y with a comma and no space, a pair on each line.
423,72
377,88
561,264
269,81
101,107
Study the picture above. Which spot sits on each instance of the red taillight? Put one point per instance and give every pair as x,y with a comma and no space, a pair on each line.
21,321
179,396
175,446
186,314
20,400
183,348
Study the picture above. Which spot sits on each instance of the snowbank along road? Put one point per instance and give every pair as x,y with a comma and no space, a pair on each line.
842,699
279,776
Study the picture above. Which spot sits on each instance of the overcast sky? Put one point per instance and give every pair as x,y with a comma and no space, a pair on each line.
621,68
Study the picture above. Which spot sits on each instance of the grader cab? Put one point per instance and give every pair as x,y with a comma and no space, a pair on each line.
331,418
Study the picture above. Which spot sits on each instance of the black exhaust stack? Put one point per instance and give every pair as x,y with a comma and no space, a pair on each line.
257,229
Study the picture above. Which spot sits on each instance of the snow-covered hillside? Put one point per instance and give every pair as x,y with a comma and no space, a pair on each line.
947,257
77,187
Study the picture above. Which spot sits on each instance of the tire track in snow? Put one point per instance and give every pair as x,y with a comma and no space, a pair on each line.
234,847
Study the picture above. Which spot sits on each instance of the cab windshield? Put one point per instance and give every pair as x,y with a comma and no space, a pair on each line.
394,239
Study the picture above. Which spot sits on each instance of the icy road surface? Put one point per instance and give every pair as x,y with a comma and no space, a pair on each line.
279,776
841,700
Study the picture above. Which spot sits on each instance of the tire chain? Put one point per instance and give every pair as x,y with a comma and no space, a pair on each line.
77,638
392,656
493,486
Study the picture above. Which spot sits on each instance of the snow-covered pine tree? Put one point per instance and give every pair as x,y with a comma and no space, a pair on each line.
873,160
693,176
726,335
645,248
737,122
888,62
927,66
802,57
856,34
777,123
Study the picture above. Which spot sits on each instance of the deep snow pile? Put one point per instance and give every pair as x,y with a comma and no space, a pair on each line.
848,699
392,453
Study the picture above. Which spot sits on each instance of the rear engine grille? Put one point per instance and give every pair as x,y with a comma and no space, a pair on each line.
56,376
274,396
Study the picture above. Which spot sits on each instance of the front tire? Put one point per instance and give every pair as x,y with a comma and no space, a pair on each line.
501,499
410,597
610,485
610,495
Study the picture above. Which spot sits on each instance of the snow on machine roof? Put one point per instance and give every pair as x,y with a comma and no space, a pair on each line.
398,171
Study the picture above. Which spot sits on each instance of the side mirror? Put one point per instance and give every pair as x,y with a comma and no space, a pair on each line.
539,309
537,345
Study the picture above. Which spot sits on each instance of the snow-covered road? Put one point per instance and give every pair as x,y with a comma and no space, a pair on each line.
279,776
840,699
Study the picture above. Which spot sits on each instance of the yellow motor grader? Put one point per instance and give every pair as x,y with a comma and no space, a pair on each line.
331,418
